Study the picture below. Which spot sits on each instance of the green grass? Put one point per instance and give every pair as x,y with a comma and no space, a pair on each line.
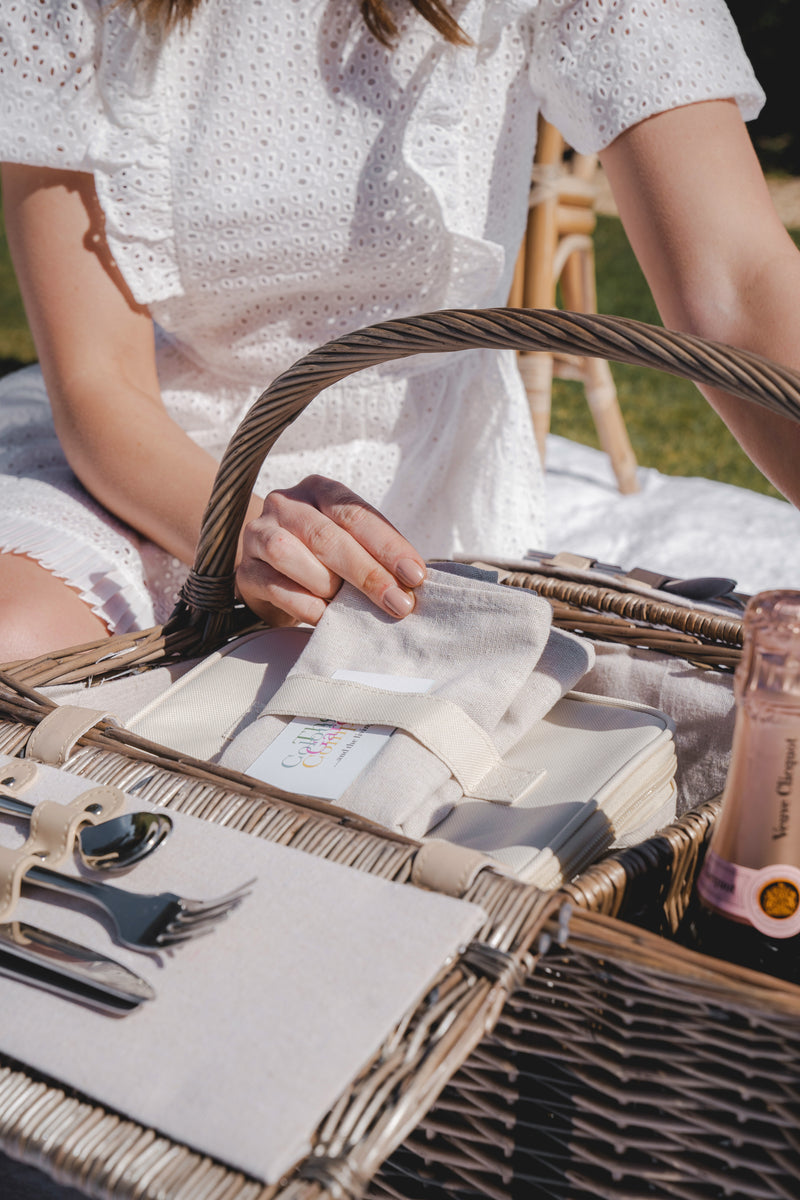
671,426
16,343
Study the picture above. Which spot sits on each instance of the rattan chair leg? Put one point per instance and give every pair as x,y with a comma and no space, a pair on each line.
537,375
558,249
601,396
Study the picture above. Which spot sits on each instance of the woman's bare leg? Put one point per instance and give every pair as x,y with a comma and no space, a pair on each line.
39,612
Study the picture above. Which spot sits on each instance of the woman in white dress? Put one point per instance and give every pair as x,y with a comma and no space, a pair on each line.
193,202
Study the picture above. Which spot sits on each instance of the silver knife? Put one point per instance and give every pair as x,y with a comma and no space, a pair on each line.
59,965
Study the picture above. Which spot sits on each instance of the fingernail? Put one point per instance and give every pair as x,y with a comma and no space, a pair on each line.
409,572
398,602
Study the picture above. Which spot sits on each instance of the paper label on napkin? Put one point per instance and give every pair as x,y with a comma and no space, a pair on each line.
320,757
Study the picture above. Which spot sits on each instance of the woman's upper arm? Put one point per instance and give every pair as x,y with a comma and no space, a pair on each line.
720,264
697,211
85,323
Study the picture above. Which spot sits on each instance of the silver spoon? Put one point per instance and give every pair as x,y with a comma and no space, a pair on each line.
112,845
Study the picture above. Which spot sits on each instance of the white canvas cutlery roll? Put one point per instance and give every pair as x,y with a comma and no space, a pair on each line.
460,680
453,687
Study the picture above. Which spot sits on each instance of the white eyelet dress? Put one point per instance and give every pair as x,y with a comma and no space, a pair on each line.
271,178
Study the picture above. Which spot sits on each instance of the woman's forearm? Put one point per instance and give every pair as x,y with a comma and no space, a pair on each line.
765,321
697,211
137,462
96,350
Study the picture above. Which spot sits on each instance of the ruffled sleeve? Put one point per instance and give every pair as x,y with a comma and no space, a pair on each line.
48,87
600,66
82,88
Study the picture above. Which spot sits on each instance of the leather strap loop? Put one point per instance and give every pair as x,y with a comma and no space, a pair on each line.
52,833
54,738
17,776
444,867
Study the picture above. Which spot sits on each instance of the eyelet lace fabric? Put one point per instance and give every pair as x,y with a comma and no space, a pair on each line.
271,178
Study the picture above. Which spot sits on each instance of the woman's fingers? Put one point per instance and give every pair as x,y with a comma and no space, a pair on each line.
355,541
279,578
311,537
275,597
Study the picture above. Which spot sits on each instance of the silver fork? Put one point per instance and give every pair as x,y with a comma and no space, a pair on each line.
144,922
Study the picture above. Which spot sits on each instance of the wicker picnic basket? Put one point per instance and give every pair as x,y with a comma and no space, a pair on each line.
559,1056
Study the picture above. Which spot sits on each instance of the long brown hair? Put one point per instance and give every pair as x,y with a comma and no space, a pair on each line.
376,14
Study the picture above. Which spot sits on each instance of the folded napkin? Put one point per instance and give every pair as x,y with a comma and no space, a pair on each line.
461,680
699,703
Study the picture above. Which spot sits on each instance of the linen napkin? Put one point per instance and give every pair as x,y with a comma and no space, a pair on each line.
397,720
700,704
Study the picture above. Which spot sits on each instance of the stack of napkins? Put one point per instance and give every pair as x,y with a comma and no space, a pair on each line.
458,722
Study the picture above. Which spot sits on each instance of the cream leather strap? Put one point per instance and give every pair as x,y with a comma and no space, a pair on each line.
52,829
54,738
566,558
444,867
439,724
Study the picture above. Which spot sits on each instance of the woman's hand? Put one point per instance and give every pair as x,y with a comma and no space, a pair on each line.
309,539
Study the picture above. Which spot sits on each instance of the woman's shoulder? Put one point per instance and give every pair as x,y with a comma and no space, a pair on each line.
49,54
49,42
598,69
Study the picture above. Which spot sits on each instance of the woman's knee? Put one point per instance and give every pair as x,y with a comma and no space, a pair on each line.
39,612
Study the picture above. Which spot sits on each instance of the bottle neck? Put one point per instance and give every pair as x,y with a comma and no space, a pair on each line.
768,676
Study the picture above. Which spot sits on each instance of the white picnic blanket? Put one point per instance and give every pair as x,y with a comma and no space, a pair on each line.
681,526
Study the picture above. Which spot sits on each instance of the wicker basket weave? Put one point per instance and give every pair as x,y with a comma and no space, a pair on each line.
616,1065
627,1067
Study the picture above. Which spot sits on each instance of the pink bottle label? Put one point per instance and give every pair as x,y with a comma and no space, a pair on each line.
767,899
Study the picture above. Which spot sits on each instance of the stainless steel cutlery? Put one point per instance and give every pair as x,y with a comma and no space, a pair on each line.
143,922
112,845
66,968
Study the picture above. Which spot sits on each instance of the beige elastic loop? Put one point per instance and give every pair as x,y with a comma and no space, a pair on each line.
439,724
443,867
566,559
52,834
54,737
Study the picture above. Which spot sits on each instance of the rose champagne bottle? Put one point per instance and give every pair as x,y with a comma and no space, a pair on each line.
747,903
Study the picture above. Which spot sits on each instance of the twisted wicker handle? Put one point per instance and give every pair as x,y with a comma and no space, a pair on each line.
208,592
